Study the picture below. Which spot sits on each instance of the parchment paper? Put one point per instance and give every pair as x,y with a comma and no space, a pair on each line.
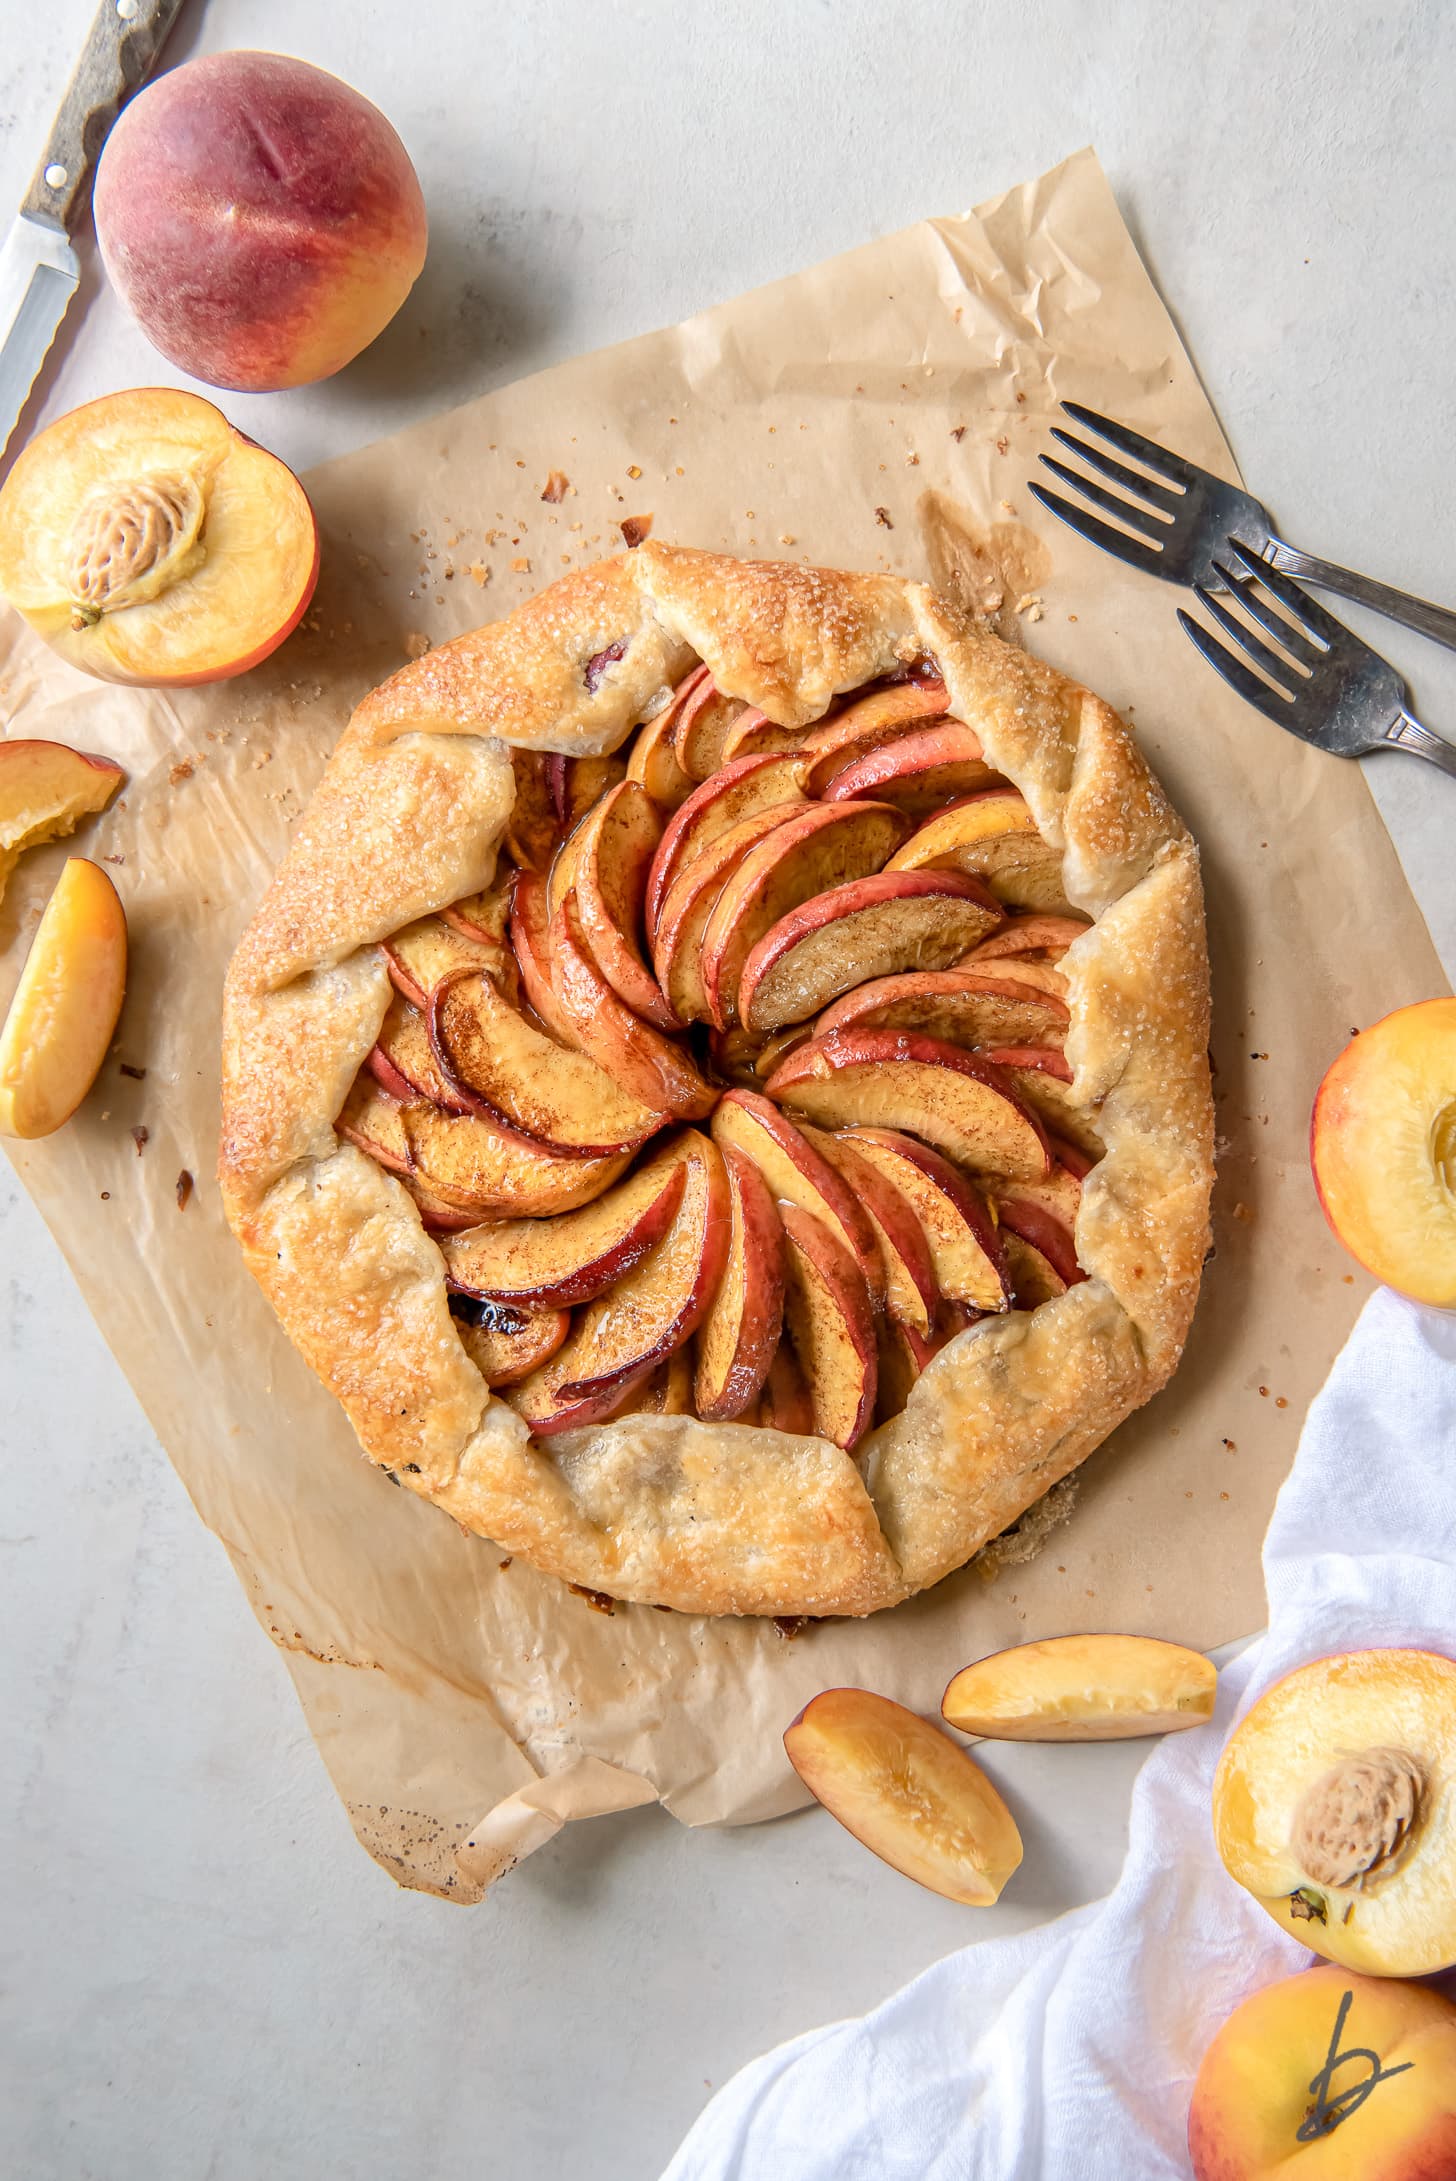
466,1707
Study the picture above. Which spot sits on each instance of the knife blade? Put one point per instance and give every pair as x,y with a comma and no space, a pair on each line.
39,271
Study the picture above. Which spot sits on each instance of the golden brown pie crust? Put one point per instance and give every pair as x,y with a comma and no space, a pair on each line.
715,1518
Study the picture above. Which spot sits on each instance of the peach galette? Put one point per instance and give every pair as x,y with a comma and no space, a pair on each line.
718,1086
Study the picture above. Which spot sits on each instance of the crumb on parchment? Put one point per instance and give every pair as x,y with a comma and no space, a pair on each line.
558,484
416,644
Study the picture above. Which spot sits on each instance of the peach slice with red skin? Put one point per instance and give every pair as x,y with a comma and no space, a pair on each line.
537,1264
1039,1229
373,1121
784,1404
909,1792
736,792
484,916
677,940
149,543
647,1065
533,829
962,1006
991,835
754,734
403,1061
956,1101
667,1391
706,718
46,789
822,847
738,1336
506,1344
882,716
1383,1147
1041,1075
653,759
831,1322
577,784
965,1247
912,1292
65,1008
1333,1806
472,1162
1284,2092
798,1173
425,953
890,922
489,1051
618,840
530,929
917,773
1083,1689
1047,936
905,1351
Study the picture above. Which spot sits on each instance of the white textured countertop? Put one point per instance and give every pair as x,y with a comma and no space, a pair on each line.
207,1977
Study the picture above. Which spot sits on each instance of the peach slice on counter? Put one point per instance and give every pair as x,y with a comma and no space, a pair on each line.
616,846
824,846
912,1293
45,790
533,829
1049,936
965,1248
871,927
754,734
954,1100
704,723
918,772
831,1322
738,1337
1334,1805
1328,2076
991,836
647,1065
403,1061
654,1309
551,1263
506,1344
906,1790
489,1051
736,792
1383,1147
66,1005
148,542
428,951
882,716
797,1172
472,1162
677,939
1083,1689
962,1006
785,1403
653,760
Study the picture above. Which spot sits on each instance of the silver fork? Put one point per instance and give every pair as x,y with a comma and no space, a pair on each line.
1324,684
1187,516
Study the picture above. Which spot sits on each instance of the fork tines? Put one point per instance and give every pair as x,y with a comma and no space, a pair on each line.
1288,673
1152,503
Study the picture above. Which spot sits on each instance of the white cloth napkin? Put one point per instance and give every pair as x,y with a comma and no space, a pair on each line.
1071,2050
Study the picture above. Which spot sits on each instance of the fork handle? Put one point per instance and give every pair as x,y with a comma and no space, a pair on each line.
1437,622
1407,733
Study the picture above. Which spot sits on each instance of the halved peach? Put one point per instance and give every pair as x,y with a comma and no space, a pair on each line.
373,1121
738,1337
784,1404
754,734
798,1172
955,1100
487,1049
45,790
573,1258
736,792
965,1247
533,829
403,1061
992,836
832,1324
66,1005
963,1006
654,1309
653,758
823,846
617,842
1334,1804
706,718
873,927
677,940
647,1065
428,951
917,773
506,1344
1382,1144
882,716
1047,936
906,1790
479,1166
148,542
912,1293
1042,1076
1083,1689
1329,2076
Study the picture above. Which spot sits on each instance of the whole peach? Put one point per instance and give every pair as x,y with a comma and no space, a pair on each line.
260,219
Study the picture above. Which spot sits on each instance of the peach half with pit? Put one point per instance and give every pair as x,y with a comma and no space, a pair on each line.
66,1005
260,219
1327,2076
1082,1689
1334,1805
1383,1148
150,543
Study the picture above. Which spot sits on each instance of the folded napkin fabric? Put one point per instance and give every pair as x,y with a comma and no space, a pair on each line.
1071,2050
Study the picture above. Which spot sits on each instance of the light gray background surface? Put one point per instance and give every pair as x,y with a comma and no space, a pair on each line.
203,1975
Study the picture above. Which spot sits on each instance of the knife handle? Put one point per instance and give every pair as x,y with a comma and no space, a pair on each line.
119,54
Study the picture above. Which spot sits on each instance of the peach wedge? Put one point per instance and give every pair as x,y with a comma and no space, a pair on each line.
534,1263
992,836
1334,1804
908,1792
66,1004
1383,1148
45,790
737,1338
1082,1689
